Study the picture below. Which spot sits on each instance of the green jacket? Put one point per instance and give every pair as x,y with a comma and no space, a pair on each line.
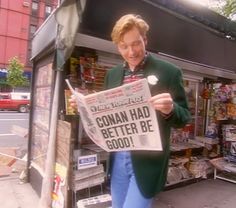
150,167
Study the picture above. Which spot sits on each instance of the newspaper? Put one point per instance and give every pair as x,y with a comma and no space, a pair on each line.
121,118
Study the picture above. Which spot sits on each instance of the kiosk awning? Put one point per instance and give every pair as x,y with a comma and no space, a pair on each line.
178,29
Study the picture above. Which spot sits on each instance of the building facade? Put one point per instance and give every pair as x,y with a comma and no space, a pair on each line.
19,20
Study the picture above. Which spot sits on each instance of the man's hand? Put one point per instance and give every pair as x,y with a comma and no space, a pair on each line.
162,102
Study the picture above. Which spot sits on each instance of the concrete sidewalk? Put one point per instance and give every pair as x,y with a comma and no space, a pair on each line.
204,194
13,194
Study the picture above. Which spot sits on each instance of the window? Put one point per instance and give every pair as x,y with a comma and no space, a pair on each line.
33,29
34,7
48,10
24,97
4,96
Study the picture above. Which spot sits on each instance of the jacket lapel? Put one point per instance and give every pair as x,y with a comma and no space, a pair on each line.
117,77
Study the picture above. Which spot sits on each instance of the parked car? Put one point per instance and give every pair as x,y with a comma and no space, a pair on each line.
19,101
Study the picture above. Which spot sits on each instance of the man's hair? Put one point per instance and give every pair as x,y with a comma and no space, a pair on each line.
126,23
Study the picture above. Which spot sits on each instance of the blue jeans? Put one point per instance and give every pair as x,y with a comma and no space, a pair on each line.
124,189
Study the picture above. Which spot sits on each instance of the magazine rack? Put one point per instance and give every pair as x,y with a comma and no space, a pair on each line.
85,179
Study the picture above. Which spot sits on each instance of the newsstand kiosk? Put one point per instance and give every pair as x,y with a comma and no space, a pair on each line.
74,43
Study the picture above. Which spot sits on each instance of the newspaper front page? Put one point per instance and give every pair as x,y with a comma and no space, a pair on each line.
121,118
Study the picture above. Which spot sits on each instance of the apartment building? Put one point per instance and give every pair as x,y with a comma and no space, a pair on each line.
19,19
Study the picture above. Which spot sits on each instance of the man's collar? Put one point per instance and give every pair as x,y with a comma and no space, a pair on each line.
139,66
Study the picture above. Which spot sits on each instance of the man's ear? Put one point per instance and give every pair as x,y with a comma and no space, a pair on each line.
118,48
145,40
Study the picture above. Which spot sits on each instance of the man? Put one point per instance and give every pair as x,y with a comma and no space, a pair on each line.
137,176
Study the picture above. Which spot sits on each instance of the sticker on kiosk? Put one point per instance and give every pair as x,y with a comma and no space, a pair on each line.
87,161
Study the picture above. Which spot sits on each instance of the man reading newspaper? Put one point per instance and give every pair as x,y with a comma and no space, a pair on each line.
138,175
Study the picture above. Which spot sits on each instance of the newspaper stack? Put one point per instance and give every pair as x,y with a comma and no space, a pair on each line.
102,201
88,177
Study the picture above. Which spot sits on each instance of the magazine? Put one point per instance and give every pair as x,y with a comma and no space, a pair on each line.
121,118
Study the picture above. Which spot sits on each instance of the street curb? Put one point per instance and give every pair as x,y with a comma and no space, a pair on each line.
7,178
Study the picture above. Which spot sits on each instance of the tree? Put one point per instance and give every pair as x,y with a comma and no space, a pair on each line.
15,77
226,8
229,9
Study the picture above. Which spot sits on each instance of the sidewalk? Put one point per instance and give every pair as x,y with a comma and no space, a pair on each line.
13,193
204,194
16,195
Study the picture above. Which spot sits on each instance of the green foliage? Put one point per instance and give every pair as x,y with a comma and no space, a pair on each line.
229,8
226,8
15,77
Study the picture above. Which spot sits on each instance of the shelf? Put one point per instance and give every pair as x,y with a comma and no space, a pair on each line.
226,176
224,170
184,146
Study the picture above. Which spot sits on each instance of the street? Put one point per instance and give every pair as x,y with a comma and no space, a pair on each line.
9,120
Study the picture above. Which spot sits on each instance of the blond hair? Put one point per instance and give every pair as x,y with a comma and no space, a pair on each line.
126,23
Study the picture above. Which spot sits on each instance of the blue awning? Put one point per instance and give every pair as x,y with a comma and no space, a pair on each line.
27,74
4,74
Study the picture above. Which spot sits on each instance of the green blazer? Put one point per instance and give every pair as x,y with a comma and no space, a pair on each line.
150,167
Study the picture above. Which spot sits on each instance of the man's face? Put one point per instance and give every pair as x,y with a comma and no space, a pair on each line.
132,47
